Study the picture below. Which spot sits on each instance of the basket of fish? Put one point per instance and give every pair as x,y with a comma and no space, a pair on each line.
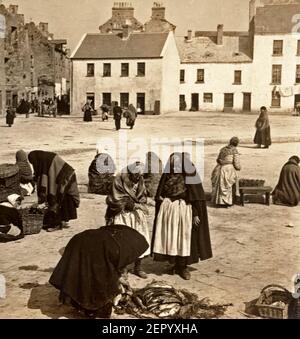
274,302
159,300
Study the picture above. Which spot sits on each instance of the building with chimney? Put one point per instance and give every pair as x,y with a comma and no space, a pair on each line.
131,67
158,22
35,65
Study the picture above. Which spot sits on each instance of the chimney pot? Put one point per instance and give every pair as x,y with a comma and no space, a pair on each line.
220,33
158,11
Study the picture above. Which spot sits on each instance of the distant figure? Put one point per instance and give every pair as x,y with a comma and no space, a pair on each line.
263,129
105,111
224,176
10,116
117,116
287,191
130,115
88,112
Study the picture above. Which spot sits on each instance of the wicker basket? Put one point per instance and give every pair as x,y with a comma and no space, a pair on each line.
9,181
270,295
32,222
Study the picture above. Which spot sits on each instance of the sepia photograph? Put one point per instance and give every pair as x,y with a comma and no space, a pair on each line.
149,161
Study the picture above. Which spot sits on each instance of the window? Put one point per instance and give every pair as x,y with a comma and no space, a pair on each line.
90,70
228,100
276,99
276,74
124,70
208,97
107,70
141,69
124,100
182,75
298,74
278,47
298,48
200,76
106,99
237,77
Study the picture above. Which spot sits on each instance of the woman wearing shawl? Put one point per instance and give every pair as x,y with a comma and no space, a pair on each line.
129,185
25,172
225,176
89,270
101,173
10,116
263,129
181,230
88,109
130,115
56,186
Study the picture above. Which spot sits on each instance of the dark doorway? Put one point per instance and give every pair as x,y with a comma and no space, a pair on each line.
15,100
228,101
195,102
106,99
182,103
247,102
297,100
140,102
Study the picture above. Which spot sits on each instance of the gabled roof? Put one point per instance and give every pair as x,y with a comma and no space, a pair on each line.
204,49
276,19
112,46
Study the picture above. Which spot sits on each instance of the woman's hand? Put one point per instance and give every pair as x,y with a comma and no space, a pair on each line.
196,221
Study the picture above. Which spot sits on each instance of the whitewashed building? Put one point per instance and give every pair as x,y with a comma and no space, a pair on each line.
131,67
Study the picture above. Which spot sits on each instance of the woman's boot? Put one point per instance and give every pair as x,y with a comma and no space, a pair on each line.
138,269
182,269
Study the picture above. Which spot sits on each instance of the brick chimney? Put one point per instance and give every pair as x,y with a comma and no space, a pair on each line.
43,27
220,33
158,11
13,9
122,10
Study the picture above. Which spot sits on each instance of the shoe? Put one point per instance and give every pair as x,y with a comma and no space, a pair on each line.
53,229
184,273
139,273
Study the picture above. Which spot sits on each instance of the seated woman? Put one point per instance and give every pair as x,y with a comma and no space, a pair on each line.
130,185
101,174
88,273
224,176
181,230
25,172
287,191
11,228
57,187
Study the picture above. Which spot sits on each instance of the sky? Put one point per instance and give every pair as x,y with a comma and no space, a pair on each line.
71,19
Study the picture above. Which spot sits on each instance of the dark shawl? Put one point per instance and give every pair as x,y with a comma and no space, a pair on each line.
10,117
263,130
25,171
194,194
88,271
122,193
55,178
287,190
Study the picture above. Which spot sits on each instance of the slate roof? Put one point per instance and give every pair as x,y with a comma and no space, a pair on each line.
112,46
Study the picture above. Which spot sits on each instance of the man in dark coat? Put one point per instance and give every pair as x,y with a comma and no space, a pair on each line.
117,116
287,192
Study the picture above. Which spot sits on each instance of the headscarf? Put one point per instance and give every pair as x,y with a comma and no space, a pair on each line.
24,167
41,161
190,176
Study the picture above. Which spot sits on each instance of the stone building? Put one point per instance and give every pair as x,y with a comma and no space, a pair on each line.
35,65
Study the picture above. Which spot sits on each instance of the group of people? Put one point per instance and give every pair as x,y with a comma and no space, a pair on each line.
130,113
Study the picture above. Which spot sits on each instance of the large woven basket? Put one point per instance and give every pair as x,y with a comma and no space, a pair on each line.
9,181
32,221
270,295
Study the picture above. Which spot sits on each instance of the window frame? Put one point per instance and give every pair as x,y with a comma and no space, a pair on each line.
277,48
88,73
211,100
298,47
141,74
200,77
126,75
105,74
297,81
276,81
239,78
182,79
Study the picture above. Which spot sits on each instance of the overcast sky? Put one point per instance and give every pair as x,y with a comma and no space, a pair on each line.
70,19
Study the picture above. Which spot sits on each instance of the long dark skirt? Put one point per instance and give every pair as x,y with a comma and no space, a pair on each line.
10,119
200,240
88,116
263,137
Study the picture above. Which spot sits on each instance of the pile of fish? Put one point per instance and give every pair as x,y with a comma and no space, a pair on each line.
159,300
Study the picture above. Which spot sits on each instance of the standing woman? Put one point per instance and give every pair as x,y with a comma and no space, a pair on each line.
127,206
130,115
10,116
57,187
181,230
263,129
88,112
225,176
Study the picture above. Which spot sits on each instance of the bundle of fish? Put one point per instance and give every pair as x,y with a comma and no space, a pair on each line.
159,300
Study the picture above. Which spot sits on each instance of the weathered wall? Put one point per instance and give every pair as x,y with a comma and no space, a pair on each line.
150,84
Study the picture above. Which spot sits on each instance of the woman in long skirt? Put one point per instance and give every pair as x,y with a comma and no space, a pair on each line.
263,129
181,230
